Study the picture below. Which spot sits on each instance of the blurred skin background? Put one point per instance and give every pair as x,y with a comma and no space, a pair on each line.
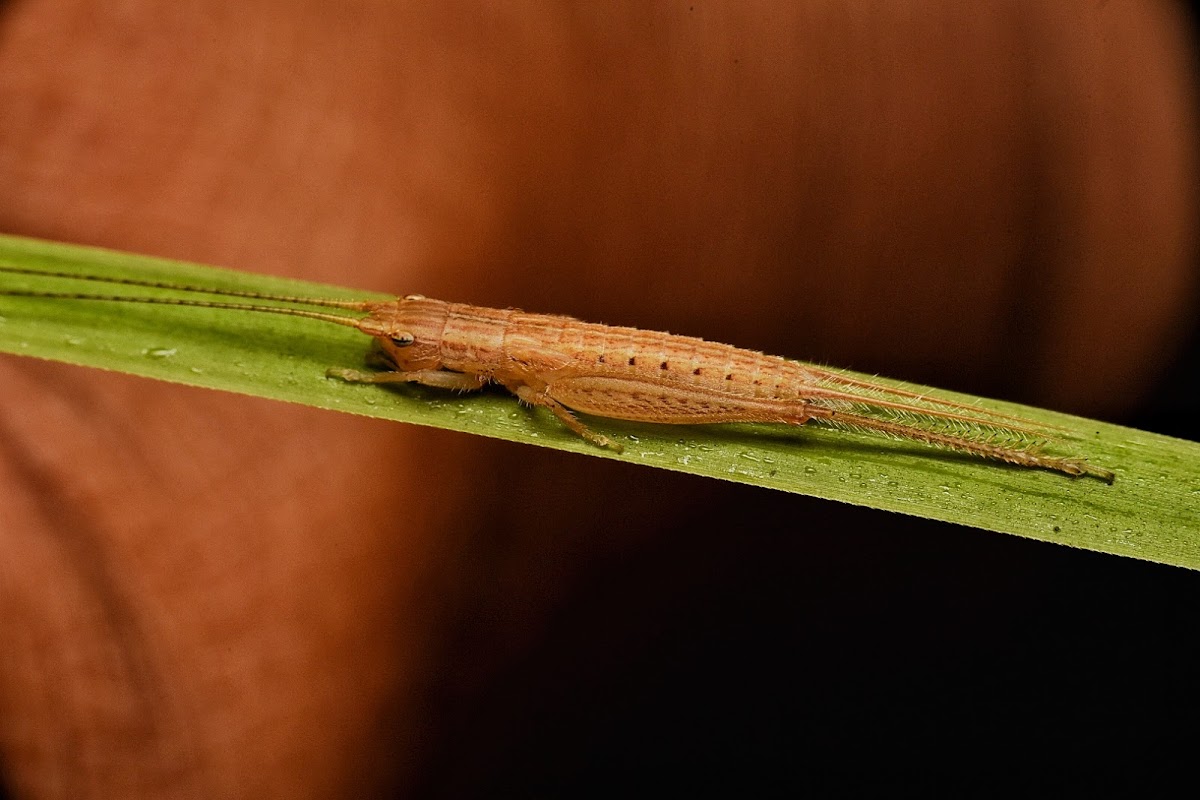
215,596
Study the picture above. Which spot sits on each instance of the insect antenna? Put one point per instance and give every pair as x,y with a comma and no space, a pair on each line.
354,305
351,322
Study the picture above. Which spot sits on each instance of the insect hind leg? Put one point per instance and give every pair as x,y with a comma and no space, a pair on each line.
535,398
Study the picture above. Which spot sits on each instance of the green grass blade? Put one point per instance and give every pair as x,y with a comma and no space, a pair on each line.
1152,511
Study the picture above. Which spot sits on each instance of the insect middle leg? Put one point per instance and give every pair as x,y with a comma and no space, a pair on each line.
536,398
437,378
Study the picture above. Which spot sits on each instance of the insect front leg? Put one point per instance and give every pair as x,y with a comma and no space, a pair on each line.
437,378
535,398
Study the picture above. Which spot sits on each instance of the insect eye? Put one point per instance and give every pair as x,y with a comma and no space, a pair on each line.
403,339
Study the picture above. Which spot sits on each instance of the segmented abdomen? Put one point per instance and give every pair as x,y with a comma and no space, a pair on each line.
652,354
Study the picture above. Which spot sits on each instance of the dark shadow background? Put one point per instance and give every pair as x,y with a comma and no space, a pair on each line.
591,628
851,649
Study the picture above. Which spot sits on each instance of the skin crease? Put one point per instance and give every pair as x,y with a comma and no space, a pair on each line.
214,596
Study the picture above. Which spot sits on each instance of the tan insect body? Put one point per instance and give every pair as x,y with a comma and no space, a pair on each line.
567,366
